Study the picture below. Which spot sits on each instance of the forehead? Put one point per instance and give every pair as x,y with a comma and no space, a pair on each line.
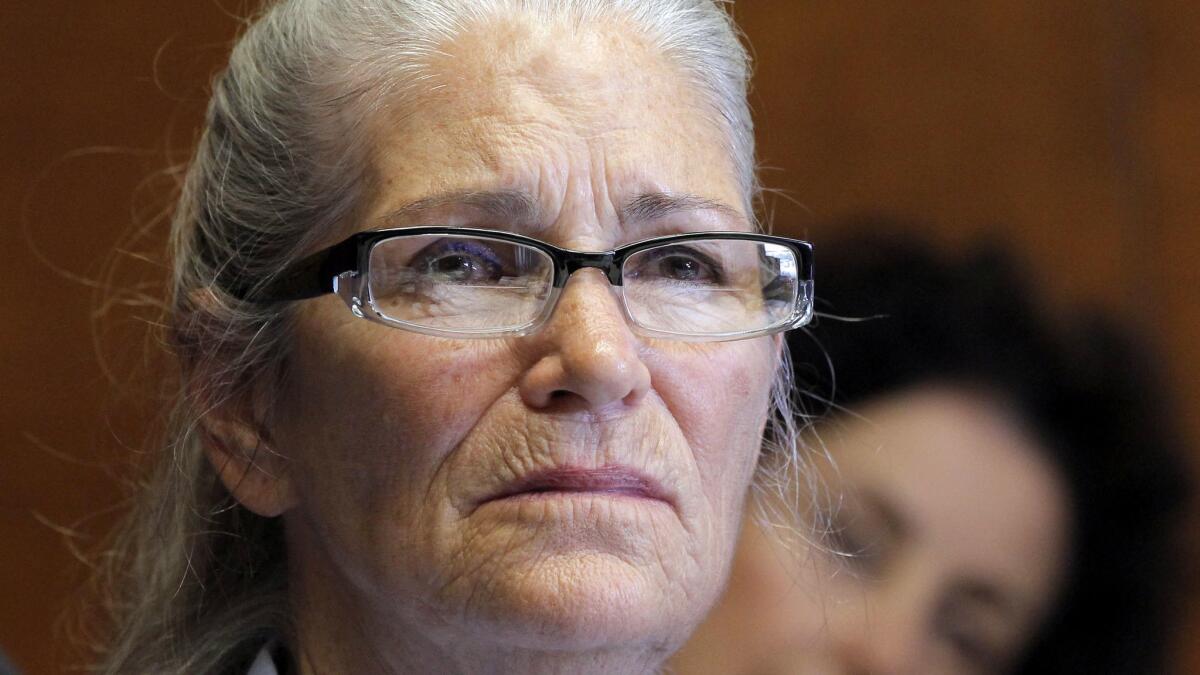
976,490
572,115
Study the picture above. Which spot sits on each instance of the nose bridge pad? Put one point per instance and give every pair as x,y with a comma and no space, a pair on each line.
605,268
601,261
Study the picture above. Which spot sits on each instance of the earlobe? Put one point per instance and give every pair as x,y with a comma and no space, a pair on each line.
253,472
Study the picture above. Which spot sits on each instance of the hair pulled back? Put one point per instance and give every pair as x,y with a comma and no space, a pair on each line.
196,582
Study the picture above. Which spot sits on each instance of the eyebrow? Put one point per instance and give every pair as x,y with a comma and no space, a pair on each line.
510,206
654,205
520,207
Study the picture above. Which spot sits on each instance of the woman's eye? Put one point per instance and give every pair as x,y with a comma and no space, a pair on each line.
683,269
853,550
971,634
684,265
973,651
456,267
459,262
859,541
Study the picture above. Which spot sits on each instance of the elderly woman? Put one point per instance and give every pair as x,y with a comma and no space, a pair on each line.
478,345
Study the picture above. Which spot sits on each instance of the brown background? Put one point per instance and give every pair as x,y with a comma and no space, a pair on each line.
1070,127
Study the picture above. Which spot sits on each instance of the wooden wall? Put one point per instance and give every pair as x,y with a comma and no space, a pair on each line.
1068,127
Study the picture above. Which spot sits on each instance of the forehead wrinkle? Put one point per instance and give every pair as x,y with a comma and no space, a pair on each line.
581,70
512,103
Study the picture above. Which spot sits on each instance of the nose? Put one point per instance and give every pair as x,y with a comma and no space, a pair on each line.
586,356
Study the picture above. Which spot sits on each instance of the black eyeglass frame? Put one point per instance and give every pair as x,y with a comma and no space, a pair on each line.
342,270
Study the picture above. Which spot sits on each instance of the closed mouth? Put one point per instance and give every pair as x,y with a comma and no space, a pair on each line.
607,481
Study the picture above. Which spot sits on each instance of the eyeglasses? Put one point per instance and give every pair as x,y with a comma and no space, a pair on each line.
476,283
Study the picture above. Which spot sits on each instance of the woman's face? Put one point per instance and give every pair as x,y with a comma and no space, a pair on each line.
573,489
955,528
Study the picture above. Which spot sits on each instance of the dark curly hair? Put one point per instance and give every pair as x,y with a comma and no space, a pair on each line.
1085,388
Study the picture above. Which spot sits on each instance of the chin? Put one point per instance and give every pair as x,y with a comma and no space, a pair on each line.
586,600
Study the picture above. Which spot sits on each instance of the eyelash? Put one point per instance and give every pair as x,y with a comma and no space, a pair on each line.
714,267
440,249
971,649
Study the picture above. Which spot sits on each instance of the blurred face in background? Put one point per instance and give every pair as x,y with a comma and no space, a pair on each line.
948,531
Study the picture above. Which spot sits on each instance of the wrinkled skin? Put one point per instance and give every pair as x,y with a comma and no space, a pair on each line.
959,522
394,440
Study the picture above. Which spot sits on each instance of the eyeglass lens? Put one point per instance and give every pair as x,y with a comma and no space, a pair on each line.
474,283
454,282
711,286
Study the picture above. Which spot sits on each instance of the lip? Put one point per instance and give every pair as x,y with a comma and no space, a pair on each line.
608,481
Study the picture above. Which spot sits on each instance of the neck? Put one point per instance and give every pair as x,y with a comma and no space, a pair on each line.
320,657
323,647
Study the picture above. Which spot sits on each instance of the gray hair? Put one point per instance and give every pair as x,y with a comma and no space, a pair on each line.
199,582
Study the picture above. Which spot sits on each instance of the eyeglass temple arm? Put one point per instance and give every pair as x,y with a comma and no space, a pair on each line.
311,277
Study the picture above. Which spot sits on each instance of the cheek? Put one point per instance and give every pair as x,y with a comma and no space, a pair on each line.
719,395
369,412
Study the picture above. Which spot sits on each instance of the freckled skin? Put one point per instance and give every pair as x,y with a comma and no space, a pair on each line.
393,438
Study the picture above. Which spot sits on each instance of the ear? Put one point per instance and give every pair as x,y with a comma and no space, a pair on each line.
252,470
